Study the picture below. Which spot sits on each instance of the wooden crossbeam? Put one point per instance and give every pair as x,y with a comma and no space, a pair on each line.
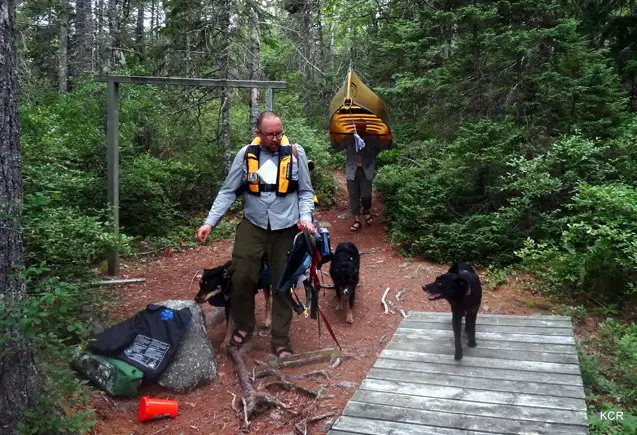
112,133
183,81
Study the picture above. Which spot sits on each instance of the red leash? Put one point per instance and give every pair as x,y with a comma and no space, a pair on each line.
329,328
316,258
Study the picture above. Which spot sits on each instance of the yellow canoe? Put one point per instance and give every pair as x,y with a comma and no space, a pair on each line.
355,107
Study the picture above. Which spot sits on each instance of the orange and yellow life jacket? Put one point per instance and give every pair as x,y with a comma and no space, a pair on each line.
284,182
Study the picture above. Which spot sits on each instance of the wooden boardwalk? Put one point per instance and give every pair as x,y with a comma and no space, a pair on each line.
523,377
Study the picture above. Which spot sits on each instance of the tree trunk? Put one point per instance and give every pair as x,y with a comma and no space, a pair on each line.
255,71
139,28
188,56
19,379
63,58
113,35
84,37
224,134
319,34
152,18
101,46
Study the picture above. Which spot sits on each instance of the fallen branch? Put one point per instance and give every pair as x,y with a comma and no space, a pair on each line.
322,373
119,281
310,420
402,313
159,430
400,292
302,359
234,405
382,300
291,386
283,381
111,403
253,403
193,280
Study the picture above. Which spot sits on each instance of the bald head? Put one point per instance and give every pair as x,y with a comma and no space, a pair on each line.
266,114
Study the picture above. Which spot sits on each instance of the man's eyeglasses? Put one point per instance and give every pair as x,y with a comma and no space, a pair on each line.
277,135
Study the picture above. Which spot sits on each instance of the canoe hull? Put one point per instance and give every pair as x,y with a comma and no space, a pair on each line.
356,108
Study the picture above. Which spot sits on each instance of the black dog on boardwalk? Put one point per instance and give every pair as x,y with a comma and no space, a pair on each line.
344,270
215,287
460,286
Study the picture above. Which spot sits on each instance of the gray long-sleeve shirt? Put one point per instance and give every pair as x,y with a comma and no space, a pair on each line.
366,157
280,211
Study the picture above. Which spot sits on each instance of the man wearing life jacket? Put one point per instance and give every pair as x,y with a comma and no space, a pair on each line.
274,180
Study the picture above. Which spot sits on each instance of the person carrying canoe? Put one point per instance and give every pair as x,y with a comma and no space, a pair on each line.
360,169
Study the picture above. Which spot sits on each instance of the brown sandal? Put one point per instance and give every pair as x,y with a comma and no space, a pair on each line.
368,217
236,336
356,227
278,350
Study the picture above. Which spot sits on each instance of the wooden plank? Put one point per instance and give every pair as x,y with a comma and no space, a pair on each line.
519,355
482,372
571,392
347,424
531,366
459,421
490,344
491,336
501,316
183,81
502,329
112,158
472,409
494,320
467,394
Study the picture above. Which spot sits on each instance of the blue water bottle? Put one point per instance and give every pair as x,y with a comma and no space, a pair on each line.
326,248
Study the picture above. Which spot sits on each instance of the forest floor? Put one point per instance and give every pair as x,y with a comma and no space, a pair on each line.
209,410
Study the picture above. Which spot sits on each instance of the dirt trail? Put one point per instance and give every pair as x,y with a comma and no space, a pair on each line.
208,409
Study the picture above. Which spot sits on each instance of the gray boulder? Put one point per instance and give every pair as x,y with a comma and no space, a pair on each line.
194,364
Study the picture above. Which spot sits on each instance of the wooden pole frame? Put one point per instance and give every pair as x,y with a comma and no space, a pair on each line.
112,130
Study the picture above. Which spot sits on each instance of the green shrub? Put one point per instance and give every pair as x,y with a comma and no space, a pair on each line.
67,238
50,319
596,253
612,378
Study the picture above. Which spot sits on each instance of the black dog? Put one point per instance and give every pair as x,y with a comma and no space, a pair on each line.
344,273
460,286
215,287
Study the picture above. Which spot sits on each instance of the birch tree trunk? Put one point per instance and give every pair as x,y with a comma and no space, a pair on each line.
19,381
224,135
255,70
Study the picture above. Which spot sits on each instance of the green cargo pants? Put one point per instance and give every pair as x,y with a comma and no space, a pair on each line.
251,243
